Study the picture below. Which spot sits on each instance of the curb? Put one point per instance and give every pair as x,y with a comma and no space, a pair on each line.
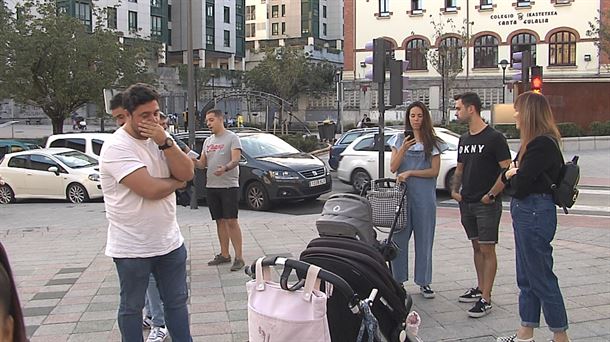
321,151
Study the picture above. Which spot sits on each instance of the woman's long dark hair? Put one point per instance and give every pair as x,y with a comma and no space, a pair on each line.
9,300
429,138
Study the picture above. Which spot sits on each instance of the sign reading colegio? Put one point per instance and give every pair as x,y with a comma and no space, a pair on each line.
530,18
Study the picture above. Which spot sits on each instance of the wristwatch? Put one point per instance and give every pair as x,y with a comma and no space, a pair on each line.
491,196
169,142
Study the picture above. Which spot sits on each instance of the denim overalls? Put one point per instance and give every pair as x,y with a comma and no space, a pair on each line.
421,217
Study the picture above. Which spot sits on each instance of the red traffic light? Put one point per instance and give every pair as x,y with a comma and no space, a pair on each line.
536,79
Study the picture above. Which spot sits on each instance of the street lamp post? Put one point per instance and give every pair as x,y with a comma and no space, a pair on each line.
339,77
503,63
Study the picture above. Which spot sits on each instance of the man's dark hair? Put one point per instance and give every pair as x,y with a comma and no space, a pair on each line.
116,101
217,113
470,99
137,95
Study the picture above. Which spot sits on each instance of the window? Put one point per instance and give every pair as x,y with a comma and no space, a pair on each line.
111,17
486,3
227,38
156,29
96,144
416,54
451,50
523,42
155,3
169,37
169,12
324,32
416,5
227,14
209,39
450,4
283,28
20,162
275,11
486,52
132,19
133,1
283,10
523,3
368,144
275,29
73,143
83,13
384,8
209,10
239,26
562,48
251,30
41,163
324,11
250,13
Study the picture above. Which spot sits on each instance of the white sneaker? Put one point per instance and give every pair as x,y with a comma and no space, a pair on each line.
157,334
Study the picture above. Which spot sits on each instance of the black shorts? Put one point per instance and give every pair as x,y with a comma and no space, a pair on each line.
481,221
223,202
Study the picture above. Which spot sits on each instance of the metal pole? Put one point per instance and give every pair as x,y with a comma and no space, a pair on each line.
503,85
191,92
381,139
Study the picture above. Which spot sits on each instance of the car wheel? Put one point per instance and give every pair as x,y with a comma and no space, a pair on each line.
6,194
359,179
448,179
256,197
77,193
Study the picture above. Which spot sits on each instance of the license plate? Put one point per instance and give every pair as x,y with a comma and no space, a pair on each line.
317,182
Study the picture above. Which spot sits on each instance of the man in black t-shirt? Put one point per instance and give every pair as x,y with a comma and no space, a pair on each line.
482,155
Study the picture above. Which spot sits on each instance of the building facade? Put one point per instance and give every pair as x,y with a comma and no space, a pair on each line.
314,25
218,33
476,35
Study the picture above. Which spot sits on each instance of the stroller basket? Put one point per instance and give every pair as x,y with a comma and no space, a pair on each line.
385,196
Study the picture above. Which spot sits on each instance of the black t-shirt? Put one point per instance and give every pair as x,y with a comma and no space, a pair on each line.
481,154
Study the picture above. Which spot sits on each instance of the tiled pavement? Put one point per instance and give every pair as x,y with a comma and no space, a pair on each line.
69,288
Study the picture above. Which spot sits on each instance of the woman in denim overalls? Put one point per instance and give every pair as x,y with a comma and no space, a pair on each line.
416,161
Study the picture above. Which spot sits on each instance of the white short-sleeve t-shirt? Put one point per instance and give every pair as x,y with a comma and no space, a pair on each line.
137,227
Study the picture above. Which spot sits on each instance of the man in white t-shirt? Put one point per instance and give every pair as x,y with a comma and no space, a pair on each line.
140,169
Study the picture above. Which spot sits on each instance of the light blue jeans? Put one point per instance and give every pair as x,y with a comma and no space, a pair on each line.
534,223
154,305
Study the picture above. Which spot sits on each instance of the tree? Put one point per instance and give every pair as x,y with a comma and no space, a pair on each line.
447,59
52,62
600,31
202,77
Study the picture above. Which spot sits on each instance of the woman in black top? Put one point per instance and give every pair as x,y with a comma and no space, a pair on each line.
12,328
535,218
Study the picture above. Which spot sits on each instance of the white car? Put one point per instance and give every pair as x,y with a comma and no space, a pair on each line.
55,173
359,160
88,143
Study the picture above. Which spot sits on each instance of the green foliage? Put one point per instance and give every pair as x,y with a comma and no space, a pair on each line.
569,129
203,77
600,32
287,73
50,60
457,127
599,128
510,131
305,143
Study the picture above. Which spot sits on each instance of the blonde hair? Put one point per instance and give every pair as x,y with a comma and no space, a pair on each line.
535,119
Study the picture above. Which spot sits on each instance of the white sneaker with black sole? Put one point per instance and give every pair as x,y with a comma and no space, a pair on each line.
157,334
470,296
427,292
513,338
480,309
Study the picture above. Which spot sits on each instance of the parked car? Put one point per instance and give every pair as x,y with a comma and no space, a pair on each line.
270,170
11,146
359,160
344,141
88,143
49,173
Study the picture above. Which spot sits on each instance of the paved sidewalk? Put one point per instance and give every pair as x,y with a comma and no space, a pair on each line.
69,288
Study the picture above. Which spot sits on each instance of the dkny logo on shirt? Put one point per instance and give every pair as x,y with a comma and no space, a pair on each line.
471,149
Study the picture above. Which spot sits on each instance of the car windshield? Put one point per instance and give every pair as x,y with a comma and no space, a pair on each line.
75,159
266,145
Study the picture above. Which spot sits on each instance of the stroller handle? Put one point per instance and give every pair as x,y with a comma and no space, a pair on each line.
302,266
389,182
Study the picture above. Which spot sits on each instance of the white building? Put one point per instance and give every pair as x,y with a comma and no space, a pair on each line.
316,26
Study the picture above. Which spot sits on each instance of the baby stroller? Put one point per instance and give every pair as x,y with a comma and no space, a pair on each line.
275,313
348,247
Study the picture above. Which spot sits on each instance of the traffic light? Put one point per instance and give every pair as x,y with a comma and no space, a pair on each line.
397,82
536,79
521,63
382,54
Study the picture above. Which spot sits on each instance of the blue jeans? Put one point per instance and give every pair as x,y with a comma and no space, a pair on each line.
154,305
534,223
170,272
